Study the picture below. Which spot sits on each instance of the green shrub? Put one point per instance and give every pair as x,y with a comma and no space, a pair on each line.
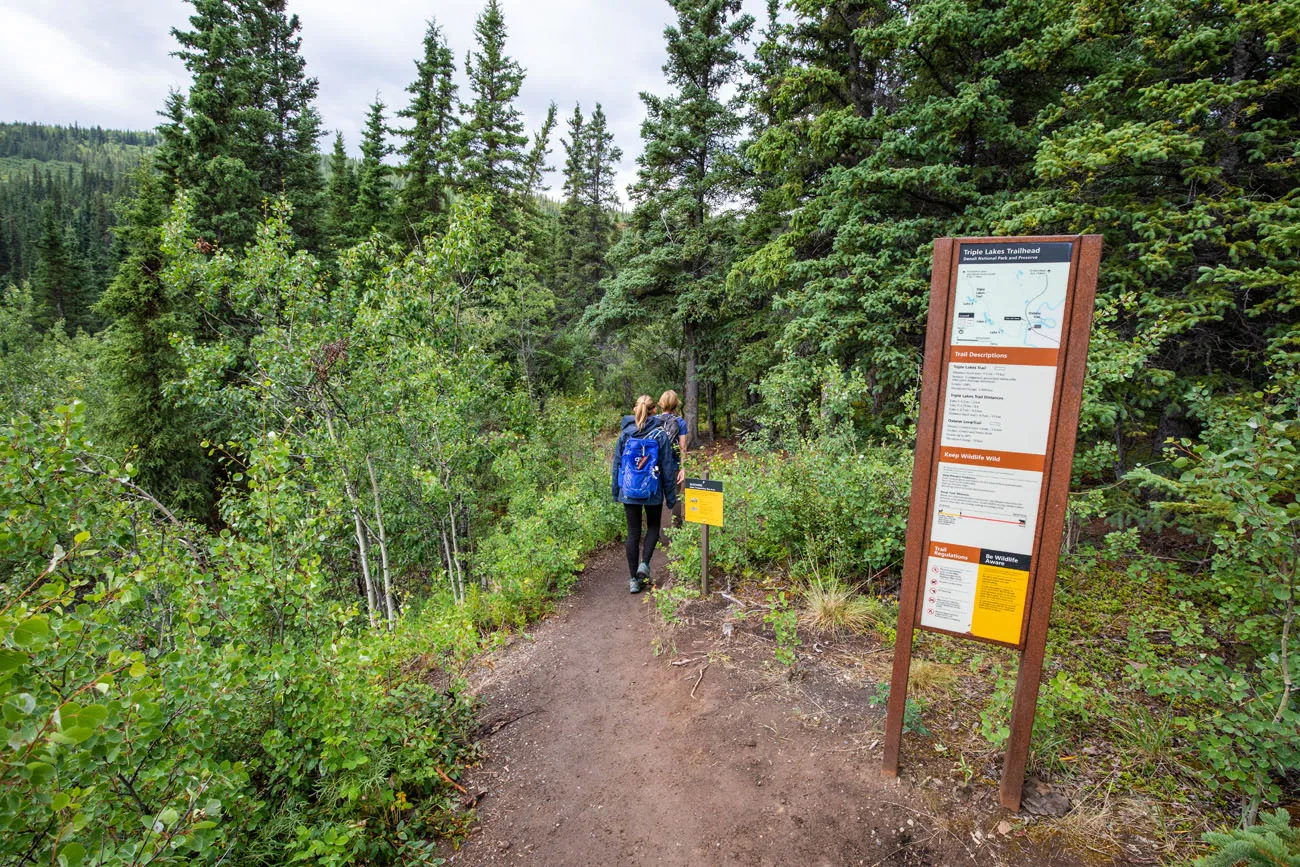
1271,843
176,696
1237,488
815,503
784,620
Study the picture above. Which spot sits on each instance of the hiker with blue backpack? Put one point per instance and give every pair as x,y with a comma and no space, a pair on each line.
644,476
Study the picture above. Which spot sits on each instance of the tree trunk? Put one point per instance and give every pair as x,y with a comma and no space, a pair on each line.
363,541
713,411
451,568
726,405
692,389
455,555
383,547
363,554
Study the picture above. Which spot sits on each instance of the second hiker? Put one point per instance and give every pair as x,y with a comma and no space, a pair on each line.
644,476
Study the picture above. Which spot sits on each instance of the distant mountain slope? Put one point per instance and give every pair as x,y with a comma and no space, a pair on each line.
70,178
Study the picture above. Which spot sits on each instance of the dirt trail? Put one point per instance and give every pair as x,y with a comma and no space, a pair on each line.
605,757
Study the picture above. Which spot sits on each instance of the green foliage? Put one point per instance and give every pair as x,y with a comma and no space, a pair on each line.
783,617
491,139
196,698
247,129
429,144
814,503
558,511
913,711
672,259
75,177
1163,127
374,186
586,229
177,696
669,600
1237,487
139,365
341,197
59,289
1271,843
1065,710
39,371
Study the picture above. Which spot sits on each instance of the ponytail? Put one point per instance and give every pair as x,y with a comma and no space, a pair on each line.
641,411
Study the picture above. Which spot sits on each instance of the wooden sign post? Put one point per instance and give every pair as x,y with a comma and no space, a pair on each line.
1005,355
703,506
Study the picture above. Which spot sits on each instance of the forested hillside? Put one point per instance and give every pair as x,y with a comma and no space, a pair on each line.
288,436
59,191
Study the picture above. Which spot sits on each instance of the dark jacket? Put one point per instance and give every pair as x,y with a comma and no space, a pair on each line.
667,465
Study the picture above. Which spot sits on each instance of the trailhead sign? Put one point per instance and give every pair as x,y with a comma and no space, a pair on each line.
1005,356
1002,364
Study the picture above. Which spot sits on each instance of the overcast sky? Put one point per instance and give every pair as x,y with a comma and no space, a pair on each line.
107,62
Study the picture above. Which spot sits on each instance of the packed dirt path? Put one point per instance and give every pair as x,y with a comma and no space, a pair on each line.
599,752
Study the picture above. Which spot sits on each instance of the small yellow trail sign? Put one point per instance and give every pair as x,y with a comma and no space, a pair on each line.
704,502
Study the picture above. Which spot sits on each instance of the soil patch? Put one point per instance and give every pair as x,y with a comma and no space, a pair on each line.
600,751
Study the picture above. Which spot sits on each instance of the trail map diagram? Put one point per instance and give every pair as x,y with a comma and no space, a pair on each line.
1011,304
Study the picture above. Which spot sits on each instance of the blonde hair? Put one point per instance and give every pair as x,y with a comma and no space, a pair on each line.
668,401
641,411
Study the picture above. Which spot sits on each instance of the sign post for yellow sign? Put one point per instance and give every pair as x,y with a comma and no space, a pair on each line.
704,506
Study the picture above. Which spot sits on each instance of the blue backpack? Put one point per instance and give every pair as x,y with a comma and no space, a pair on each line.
638,472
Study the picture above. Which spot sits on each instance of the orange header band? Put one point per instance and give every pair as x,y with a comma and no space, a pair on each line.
982,458
944,551
1003,355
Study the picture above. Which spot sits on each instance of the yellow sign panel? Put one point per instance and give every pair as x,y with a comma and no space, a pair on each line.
999,603
704,502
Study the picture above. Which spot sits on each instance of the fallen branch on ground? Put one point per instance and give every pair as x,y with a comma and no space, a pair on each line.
458,786
698,679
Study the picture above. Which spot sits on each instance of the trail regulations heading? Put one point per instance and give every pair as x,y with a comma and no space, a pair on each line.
1001,362
1006,350
704,502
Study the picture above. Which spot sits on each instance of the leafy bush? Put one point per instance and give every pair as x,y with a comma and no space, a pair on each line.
179,696
816,503
1237,487
784,620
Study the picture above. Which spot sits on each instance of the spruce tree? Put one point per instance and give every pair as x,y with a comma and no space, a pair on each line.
573,216
247,129
492,140
535,167
429,142
56,283
524,299
140,362
674,259
290,122
341,197
374,188
599,199
586,224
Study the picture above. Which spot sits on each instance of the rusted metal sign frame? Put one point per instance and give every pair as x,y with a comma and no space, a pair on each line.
1068,395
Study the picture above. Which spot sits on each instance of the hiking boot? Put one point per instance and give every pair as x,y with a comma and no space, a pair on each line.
643,575
634,584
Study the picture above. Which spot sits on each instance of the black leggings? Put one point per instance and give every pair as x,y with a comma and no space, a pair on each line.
653,516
